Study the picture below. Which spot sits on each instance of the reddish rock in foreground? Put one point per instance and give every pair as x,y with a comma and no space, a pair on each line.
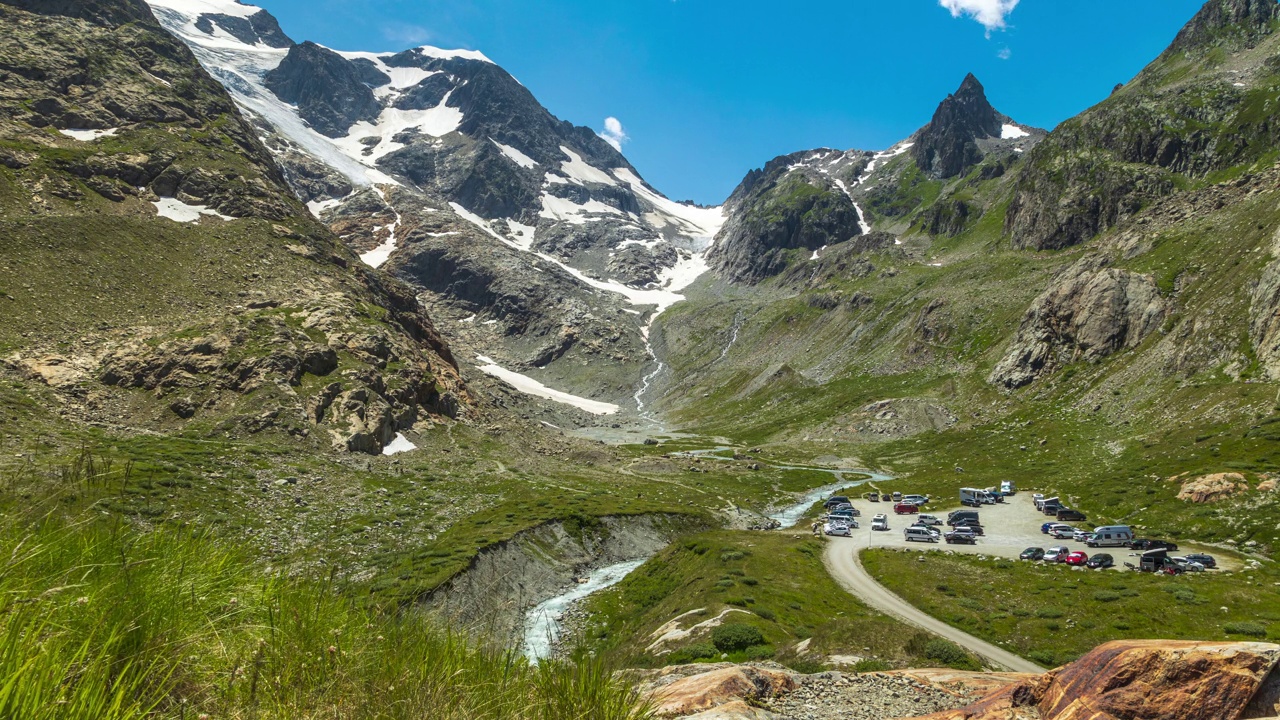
1135,679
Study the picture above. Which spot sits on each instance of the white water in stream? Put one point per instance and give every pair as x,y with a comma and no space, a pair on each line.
542,624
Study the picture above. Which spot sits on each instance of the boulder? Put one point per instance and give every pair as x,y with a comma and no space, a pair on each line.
721,687
1127,679
1211,488
1090,312
736,710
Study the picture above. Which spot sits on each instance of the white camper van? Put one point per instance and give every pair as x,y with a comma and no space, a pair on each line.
1111,536
973,497
1007,488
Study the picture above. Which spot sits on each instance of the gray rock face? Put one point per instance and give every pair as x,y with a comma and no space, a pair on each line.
1091,312
793,203
261,27
109,13
1264,317
1236,22
332,93
948,145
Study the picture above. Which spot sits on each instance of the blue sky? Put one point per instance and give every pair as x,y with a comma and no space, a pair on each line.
709,89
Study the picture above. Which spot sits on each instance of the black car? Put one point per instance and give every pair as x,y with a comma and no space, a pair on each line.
966,524
1205,560
1051,509
1032,554
1145,544
1068,514
886,497
837,500
961,536
1100,561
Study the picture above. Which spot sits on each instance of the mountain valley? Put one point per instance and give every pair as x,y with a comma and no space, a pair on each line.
377,334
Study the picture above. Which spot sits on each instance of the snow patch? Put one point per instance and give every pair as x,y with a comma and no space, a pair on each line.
436,122
516,156
1012,132
319,206
400,445
578,169
529,386
700,224
558,208
89,135
523,234
178,211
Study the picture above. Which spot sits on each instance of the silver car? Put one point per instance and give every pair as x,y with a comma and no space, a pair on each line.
1063,532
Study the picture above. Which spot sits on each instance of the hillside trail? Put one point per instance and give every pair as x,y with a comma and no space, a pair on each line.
841,559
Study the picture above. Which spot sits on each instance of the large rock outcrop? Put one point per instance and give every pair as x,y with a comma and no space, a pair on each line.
1264,316
331,92
1091,312
1133,679
948,145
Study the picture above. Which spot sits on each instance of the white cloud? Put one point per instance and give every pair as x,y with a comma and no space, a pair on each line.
613,133
991,13
1004,54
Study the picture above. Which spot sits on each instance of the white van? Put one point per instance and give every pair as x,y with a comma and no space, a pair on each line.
1111,536
1007,488
920,534
973,497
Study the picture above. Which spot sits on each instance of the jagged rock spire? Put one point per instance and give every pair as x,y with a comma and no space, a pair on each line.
1230,20
946,147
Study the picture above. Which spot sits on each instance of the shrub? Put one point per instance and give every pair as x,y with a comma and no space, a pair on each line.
866,666
766,613
1049,613
1042,657
693,653
1106,596
731,555
759,652
803,665
950,654
732,637
1252,629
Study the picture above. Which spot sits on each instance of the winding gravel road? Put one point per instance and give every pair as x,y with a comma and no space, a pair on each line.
842,561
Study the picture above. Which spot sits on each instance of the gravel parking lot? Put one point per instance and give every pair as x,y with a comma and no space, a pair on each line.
1011,527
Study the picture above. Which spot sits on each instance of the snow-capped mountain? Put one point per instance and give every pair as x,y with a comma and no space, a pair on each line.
537,237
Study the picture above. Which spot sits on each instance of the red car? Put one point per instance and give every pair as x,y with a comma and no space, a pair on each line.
1078,557
906,509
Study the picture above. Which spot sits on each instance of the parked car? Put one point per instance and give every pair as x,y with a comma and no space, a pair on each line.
928,520
1063,532
916,499
873,497
1032,553
880,522
1040,501
1077,558
838,529
1206,560
1036,499
961,536
897,497
1051,509
933,530
1084,536
905,509
958,516
1046,527
886,497
846,508
1187,564
1068,514
1100,561
1056,554
918,533
836,500
973,525
1145,544
846,518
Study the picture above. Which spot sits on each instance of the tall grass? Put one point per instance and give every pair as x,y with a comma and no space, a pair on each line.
103,621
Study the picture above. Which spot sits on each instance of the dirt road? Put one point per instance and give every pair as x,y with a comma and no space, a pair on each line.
842,561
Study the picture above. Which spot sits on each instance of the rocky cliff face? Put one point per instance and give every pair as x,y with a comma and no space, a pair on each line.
948,145
1091,312
797,202
1186,116
331,92
168,273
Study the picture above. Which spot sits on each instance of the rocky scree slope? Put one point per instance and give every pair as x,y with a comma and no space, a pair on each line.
430,159
159,274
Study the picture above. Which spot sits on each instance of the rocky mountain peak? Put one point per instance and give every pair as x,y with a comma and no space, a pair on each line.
331,92
946,147
1234,21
